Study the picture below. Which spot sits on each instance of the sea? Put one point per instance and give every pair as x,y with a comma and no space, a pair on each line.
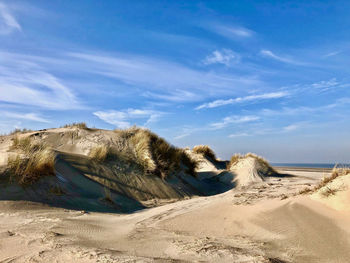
310,165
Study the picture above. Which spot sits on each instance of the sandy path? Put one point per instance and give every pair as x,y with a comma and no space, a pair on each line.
247,225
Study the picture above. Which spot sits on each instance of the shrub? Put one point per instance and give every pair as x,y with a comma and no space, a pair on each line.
205,150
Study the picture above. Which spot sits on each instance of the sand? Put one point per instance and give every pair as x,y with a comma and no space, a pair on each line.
236,215
268,222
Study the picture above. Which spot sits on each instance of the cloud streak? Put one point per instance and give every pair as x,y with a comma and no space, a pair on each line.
233,120
24,81
158,75
270,54
8,23
24,116
250,98
123,119
225,57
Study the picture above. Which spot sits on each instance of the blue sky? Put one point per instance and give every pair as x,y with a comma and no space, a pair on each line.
270,77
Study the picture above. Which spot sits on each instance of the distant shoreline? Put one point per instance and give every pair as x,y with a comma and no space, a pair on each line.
303,169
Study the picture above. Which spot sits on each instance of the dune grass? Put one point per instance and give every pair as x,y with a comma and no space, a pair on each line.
99,153
36,160
205,150
17,131
336,172
22,143
155,154
81,125
263,162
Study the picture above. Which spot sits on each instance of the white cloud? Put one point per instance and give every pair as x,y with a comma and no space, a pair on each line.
270,54
161,79
325,84
225,56
24,116
8,23
24,81
233,120
232,32
331,54
291,127
218,103
122,119
234,135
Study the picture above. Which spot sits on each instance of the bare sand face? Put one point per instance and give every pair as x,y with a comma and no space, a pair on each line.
265,222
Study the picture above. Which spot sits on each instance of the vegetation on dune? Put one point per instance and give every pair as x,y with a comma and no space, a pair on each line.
263,162
99,153
205,150
17,131
36,160
326,180
155,154
81,125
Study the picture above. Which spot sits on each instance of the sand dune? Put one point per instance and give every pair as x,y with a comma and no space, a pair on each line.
242,214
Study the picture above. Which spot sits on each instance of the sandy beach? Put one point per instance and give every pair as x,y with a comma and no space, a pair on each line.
269,222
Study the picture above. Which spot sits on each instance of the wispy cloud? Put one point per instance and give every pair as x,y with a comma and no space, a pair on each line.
123,119
291,127
24,116
225,57
169,78
219,103
270,54
326,84
231,31
8,23
331,54
233,120
24,81
242,134
302,110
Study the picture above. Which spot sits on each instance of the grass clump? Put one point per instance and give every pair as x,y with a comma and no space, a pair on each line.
205,150
38,160
17,131
24,144
155,154
335,173
81,125
263,162
99,153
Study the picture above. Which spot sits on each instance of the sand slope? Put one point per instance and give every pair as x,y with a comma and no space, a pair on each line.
239,215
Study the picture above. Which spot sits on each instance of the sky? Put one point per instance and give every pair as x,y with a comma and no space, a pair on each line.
270,77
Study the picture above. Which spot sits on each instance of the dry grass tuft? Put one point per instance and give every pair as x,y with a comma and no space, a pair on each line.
329,191
305,190
263,162
335,173
38,161
24,144
155,154
204,150
16,131
81,125
99,153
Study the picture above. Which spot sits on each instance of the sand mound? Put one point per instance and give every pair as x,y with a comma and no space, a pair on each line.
101,170
335,193
249,169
